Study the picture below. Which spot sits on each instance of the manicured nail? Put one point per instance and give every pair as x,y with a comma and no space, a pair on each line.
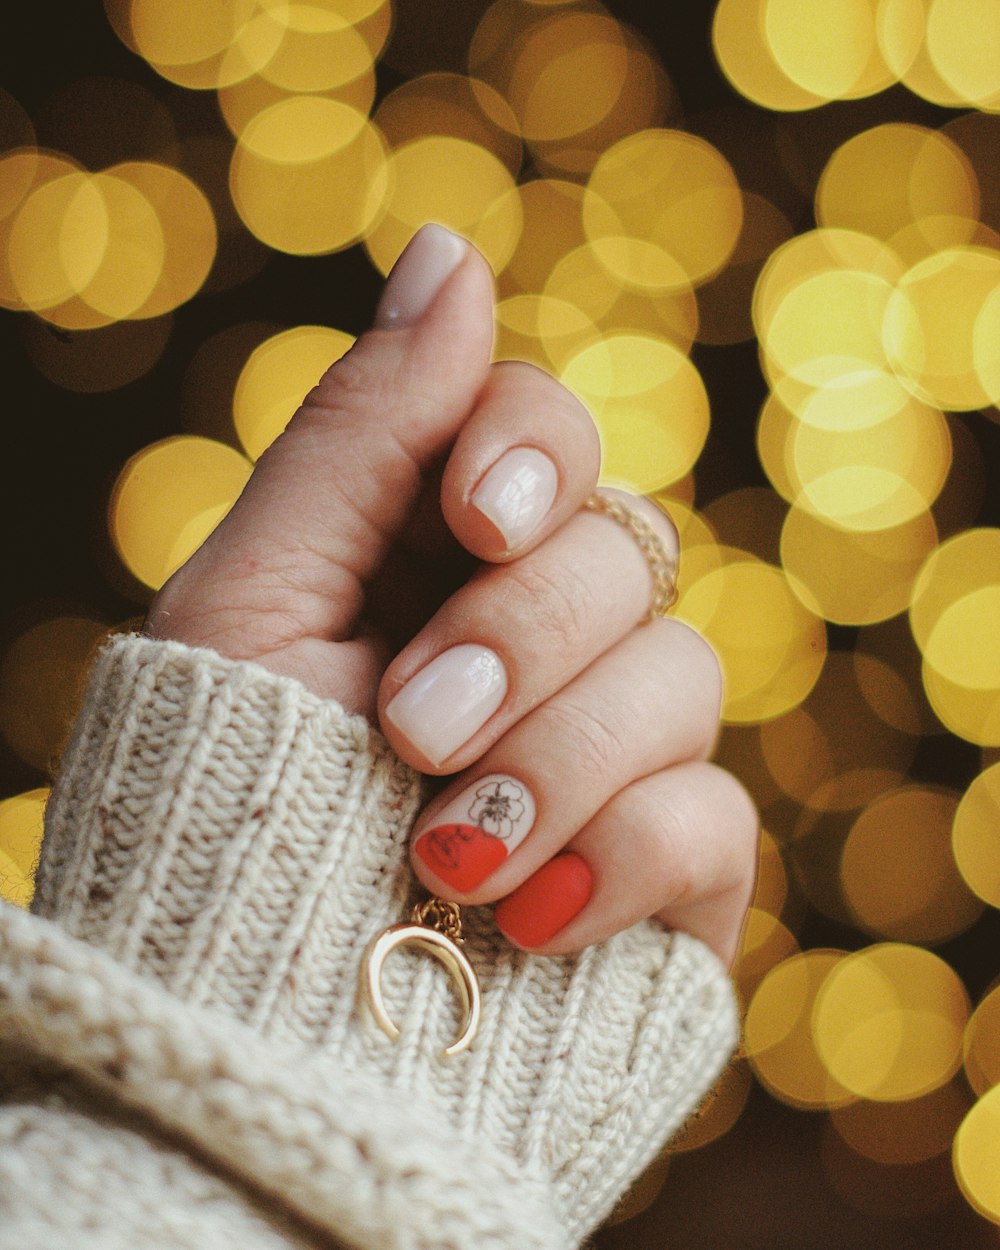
444,704
474,833
546,902
418,275
517,493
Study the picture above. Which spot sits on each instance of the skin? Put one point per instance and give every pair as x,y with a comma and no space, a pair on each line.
354,557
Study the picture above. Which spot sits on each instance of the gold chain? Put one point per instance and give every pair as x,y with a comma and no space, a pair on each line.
437,913
661,566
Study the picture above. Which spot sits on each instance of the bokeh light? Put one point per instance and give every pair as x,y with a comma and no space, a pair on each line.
889,1021
277,376
981,1045
168,499
976,836
977,1145
21,818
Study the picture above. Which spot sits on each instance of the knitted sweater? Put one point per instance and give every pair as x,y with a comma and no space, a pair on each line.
184,1061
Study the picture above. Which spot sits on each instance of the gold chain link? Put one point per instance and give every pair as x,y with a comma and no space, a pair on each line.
437,913
662,567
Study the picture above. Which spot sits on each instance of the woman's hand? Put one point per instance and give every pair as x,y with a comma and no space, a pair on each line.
414,546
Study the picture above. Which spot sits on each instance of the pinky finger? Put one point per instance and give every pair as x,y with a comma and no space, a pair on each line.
679,846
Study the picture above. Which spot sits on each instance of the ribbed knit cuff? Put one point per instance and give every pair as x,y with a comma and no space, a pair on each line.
228,832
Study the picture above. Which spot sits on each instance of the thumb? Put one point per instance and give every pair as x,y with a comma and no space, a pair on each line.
328,497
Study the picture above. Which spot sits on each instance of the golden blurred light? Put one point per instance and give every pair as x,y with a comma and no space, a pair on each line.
21,818
209,382
902,27
771,647
546,331
873,478
977,135
189,232
778,1032
536,58
168,499
455,105
903,1132
975,1154
701,551
97,360
41,682
454,182
835,752
662,209
200,44
582,280
982,1044
240,102
764,943
771,890
888,1022
962,38
749,517
931,324
976,837
969,713
552,215
854,577
745,57
315,48
650,406
277,377
829,50
898,873
893,176
308,175
719,1113
725,302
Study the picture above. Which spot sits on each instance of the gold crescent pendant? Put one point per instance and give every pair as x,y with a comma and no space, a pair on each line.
444,948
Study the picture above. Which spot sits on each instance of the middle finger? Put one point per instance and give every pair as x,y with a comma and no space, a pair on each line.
512,636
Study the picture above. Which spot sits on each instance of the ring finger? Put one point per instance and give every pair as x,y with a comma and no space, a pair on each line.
650,701
513,635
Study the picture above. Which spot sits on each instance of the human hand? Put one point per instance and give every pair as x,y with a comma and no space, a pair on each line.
414,546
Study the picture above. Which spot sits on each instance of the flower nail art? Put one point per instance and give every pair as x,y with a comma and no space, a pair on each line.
476,831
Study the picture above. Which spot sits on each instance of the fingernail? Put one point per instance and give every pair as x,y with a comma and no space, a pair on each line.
418,275
474,833
546,902
444,704
516,493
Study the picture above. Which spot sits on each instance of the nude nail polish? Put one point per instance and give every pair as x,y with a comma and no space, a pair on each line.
426,262
545,903
516,493
474,833
443,705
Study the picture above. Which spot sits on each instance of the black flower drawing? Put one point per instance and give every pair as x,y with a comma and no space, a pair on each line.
497,808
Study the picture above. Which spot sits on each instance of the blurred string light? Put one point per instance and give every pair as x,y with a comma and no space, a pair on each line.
621,239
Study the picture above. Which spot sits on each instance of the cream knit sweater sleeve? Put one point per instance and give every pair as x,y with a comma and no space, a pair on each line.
183,1058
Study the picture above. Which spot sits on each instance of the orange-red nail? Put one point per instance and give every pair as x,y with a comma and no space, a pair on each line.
546,902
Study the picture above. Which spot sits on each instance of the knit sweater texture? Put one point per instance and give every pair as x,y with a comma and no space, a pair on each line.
184,1059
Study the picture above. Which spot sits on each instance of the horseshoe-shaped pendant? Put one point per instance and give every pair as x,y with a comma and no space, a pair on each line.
434,927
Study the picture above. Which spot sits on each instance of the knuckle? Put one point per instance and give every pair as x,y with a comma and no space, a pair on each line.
558,603
598,740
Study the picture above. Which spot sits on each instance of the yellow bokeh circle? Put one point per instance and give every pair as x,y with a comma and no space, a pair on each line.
456,183
962,39
930,328
829,50
889,1020
41,684
770,645
982,1044
897,870
778,1035
663,208
277,377
975,1154
21,818
168,499
892,176
976,836
309,175
650,406
746,58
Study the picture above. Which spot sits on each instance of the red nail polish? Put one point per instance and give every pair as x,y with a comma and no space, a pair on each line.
461,855
546,902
